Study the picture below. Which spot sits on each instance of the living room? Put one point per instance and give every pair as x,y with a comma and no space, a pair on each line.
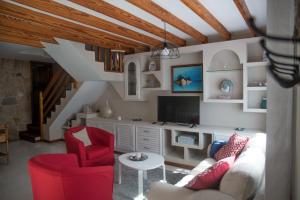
149,100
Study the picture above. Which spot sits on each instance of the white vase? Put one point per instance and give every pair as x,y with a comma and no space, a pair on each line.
107,112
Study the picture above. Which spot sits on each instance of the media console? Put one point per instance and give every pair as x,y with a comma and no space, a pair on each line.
148,137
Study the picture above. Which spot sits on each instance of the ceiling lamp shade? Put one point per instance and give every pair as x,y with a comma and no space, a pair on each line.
165,50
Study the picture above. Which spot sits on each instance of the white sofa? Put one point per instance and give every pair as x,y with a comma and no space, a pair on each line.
244,181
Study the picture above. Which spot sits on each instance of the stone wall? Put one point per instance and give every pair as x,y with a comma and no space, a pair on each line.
15,95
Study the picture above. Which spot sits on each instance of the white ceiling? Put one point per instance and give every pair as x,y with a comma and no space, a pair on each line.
224,10
22,52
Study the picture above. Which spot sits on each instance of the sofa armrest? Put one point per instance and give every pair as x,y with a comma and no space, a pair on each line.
165,191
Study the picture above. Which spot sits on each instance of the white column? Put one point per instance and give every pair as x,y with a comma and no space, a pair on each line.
280,21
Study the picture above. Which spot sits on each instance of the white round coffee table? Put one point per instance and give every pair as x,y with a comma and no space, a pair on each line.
153,161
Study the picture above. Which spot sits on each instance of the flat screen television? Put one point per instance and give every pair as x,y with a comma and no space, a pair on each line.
179,109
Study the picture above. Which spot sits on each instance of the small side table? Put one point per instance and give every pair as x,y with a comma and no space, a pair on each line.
4,140
153,161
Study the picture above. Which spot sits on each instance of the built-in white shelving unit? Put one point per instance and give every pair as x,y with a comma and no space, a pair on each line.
153,78
224,64
255,79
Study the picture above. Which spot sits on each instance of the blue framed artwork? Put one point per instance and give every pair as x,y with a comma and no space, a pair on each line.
187,78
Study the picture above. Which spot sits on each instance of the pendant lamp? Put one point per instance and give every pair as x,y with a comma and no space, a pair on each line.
165,50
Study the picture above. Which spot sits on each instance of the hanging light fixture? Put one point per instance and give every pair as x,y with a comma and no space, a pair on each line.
165,50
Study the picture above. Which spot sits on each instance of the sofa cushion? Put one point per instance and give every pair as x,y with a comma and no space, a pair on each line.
235,145
215,147
245,176
211,177
203,165
94,152
83,136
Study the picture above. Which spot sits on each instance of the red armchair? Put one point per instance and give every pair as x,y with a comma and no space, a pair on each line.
100,152
59,177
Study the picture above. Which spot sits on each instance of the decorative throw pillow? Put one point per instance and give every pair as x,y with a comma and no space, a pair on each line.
234,146
211,177
215,147
83,136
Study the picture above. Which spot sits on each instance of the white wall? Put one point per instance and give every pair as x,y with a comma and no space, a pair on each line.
227,115
87,93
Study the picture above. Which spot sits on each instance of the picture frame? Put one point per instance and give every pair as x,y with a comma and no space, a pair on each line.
187,78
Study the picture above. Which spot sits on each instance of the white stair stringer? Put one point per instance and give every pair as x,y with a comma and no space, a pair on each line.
87,93
78,62
59,107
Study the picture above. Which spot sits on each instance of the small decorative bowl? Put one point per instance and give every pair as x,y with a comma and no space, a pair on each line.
135,158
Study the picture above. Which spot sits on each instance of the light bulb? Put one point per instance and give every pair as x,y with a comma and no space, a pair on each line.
165,52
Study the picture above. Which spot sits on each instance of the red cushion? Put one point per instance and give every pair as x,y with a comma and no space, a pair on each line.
211,177
94,151
234,146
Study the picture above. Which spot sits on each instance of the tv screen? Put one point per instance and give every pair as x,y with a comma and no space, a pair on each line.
179,109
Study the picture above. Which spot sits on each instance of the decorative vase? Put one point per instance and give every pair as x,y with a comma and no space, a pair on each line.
263,103
107,111
226,87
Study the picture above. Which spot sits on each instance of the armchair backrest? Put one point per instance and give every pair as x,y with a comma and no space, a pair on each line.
90,130
59,177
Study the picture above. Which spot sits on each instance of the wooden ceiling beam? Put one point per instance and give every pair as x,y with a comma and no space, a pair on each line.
126,17
107,40
166,16
6,37
23,34
243,9
55,8
46,31
201,11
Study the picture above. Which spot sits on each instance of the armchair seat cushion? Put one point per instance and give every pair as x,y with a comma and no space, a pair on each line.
94,152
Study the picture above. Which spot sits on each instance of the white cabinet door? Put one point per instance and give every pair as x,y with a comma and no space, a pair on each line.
107,126
125,137
132,70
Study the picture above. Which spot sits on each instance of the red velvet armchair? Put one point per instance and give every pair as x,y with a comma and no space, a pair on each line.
100,152
59,177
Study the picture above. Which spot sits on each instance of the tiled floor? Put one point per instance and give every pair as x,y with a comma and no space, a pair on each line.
15,183
14,179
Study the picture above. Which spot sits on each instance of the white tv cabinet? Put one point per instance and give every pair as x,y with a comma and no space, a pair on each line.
161,139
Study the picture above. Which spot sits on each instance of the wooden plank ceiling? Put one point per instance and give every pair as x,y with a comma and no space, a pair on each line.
29,22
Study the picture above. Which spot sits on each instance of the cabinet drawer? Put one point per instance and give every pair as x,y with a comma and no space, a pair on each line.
147,139
148,148
148,132
125,137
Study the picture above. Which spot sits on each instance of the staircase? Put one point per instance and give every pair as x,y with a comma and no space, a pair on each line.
92,66
79,62
60,87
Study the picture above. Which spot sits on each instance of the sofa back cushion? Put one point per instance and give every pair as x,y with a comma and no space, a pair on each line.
234,146
245,176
